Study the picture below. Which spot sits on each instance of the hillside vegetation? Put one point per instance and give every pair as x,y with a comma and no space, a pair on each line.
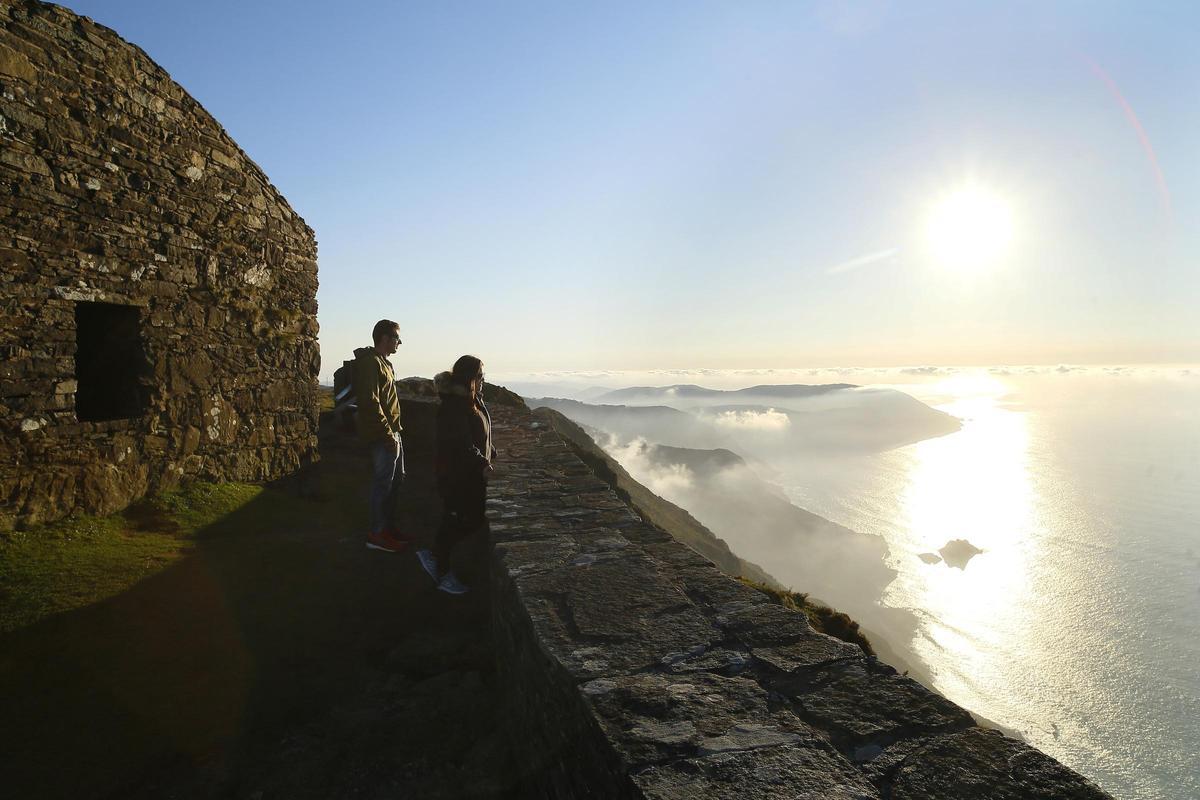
820,616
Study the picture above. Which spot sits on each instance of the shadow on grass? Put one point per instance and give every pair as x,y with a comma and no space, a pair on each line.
278,657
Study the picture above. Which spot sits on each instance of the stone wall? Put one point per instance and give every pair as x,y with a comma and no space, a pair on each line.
158,295
634,668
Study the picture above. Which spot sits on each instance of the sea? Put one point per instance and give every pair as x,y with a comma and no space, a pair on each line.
1078,625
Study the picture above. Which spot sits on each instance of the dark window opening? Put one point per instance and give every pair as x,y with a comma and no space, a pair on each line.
109,362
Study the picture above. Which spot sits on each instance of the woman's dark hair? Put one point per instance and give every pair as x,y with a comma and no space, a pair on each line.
466,369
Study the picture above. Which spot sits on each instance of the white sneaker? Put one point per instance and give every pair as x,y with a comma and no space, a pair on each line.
428,562
450,584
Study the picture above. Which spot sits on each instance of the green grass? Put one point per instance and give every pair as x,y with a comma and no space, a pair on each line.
74,562
823,618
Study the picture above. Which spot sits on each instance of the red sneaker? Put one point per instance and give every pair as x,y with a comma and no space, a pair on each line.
400,536
383,540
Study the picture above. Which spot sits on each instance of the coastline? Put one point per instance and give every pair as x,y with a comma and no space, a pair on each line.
905,661
759,525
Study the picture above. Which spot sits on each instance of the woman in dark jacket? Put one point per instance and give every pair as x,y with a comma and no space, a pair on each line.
463,463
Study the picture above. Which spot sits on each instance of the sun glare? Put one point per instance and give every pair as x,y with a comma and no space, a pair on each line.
969,228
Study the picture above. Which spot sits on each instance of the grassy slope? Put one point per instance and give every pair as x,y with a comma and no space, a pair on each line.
78,561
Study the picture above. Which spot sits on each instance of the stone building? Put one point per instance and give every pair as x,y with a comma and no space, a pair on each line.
157,294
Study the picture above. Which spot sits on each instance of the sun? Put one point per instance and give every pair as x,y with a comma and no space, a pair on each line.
969,228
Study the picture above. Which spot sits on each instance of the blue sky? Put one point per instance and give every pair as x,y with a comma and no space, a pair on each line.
670,185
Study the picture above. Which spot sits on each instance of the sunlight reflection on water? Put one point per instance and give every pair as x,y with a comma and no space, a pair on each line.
1003,633
974,485
1071,626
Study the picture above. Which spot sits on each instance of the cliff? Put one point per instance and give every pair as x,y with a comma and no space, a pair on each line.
634,668
654,509
753,522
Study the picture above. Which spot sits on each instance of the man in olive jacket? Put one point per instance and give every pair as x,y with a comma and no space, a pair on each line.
378,422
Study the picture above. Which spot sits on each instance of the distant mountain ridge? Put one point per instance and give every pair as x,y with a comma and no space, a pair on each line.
562,402
657,423
762,421
701,461
692,392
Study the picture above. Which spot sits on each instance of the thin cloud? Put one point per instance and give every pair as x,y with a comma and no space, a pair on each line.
862,261
671,481
769,420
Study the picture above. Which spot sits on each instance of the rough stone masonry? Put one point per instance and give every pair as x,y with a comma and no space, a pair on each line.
158,295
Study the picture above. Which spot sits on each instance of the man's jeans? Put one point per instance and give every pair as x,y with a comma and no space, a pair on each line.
387,465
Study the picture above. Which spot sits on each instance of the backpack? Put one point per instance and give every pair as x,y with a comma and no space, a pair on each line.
345,400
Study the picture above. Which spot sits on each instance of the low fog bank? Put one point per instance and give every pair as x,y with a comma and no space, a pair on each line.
660,424
764,422
838,566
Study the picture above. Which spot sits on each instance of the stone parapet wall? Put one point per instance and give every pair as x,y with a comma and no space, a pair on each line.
635,668
118,188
